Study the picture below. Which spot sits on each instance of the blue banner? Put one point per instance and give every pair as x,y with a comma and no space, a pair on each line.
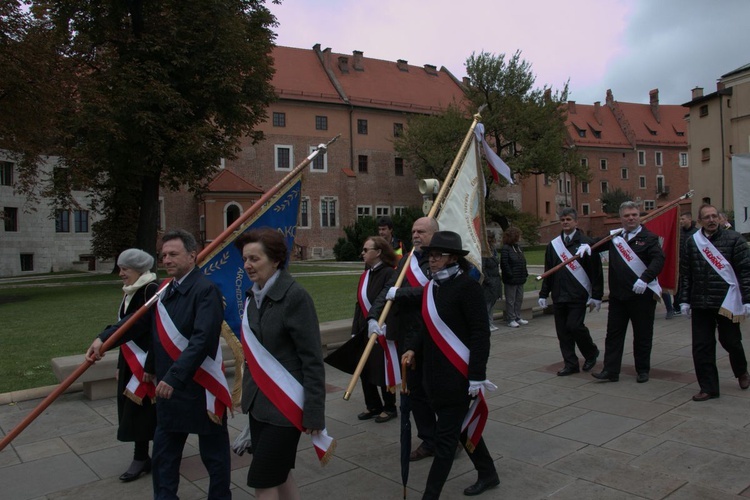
224,266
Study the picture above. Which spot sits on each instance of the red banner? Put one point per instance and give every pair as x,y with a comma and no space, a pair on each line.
667,228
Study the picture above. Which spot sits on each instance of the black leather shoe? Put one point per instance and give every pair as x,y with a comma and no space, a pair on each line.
385,416
481,485
744,380
591,362
704,396
567,371
605,375
367,415
642,377
420,453
137,469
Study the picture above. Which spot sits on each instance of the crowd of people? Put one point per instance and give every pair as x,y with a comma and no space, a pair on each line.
171,383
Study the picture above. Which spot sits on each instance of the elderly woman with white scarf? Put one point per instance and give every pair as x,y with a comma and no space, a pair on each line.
135,401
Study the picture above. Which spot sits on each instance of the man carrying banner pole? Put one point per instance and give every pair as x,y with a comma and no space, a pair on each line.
715,289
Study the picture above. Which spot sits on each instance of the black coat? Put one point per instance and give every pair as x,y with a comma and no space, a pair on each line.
137,421
513,265
492,284
563,286
646,246
197,310
700,285
460,304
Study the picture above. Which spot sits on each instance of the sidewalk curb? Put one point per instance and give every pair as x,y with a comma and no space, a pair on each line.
35,393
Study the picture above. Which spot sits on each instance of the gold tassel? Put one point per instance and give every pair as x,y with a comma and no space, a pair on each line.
328,455
469,445
214,417
239,361
131,396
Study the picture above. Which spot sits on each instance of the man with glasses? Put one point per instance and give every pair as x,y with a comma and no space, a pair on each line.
406,317
715,289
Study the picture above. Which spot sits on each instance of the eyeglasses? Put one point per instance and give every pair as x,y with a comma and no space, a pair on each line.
365,249
437,255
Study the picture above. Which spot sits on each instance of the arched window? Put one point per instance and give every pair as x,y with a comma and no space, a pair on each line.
232,212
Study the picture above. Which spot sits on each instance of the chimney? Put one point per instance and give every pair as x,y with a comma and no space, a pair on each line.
402,65
719,86
344,64
571,107
654,101
610,99
466,81
358,60
697,92
326,57
430,69
597,112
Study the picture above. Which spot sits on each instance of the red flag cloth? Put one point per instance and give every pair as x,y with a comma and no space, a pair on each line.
666,227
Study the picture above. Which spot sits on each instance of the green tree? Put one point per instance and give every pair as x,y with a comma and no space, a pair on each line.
164,90
612,200
503,213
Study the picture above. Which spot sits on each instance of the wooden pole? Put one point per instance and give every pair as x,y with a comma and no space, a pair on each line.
144,308
604,240
433,211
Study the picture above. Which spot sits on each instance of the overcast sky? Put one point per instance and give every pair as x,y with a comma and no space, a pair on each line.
629,46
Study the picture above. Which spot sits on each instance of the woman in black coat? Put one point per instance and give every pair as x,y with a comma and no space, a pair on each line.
136,412
514,273
379,258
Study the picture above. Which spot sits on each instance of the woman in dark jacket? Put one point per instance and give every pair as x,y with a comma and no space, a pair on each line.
379,258
514,274
136,412
455,315
281,315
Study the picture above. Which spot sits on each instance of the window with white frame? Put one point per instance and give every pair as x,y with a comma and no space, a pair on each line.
304,212
364,211
648,204
559,185
567,185
641,158
328,207
658,158
660,184
399,210
603,164
683,159
584,187
585,209
232,212
283,157
584,162
382,211
604,186
320,163
623,173
642,182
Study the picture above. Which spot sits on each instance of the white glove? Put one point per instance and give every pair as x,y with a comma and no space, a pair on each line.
685,309
640,286
542,302
374,327
391,293
594,304
243,443
747,310
584,249
476,386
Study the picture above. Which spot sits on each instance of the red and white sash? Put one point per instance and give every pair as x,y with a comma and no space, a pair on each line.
731,307
458,354
281,388
634,262
414,274
390,355
136,389
210,374
574,267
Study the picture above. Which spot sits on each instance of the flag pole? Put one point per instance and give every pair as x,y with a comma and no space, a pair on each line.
433,211
44,404
604,240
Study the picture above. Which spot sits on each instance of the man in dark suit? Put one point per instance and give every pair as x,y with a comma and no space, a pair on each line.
194,305
635,260
578,286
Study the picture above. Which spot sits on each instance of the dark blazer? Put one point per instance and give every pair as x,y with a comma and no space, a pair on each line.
563,286
197,310
621,278
287,326
513,265
460,304
700,285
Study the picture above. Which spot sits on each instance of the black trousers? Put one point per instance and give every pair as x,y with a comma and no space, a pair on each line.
639,311
705,322
372,398
167,455
421,409
572,332
447,435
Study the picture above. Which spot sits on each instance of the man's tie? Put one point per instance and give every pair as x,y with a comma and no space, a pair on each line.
567,240
173,288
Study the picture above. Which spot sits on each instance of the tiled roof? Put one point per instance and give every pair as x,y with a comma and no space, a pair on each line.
300,75
228,182
671,128
608,134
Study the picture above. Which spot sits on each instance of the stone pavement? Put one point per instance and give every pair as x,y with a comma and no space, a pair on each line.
552,437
